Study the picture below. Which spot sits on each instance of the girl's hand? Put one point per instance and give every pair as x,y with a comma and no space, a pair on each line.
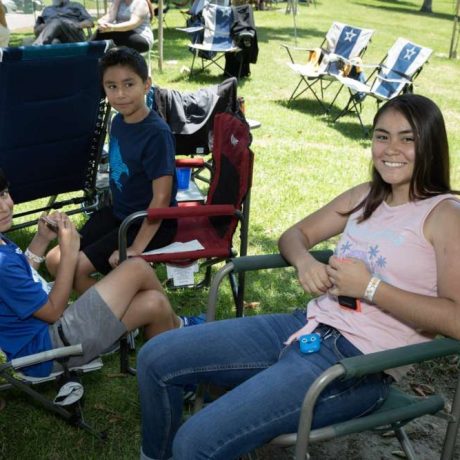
68,237
313,276
349,277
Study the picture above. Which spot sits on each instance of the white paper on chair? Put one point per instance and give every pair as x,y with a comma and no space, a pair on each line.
182,276
193,245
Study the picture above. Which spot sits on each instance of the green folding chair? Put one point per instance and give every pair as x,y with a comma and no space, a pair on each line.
399,408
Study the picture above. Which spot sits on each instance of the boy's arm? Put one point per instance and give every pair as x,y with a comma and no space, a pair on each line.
161,199
69,242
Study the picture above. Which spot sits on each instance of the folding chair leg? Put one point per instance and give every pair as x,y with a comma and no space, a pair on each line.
333,101
74,418
294,95
352,106
240,295
125,368
405,443
193,62
452,427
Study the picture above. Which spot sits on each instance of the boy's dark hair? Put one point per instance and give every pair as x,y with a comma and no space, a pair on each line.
431,174
122,55
3,181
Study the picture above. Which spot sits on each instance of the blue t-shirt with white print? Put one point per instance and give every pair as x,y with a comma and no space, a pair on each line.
22,293
139,153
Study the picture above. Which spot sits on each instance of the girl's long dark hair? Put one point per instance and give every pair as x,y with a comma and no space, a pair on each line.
431,169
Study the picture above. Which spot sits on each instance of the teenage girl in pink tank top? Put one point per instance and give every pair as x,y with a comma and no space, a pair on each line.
398,261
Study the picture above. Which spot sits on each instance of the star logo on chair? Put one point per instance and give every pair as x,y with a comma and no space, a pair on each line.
226,12
234,141
349,36
409,53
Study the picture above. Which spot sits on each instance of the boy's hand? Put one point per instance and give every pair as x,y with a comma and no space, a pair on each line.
68,237
349,276
114,259
44,231
313,276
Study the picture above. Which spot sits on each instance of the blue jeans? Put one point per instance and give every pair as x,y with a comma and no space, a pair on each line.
268,380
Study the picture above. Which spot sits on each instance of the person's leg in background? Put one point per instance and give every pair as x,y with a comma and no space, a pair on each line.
60,31
128,38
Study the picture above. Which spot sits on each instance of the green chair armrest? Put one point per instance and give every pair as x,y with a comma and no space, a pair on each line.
403,356
263,262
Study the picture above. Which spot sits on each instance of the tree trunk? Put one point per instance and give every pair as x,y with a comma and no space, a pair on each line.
427,6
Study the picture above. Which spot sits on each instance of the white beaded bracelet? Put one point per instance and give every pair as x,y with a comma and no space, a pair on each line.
369,293
33,257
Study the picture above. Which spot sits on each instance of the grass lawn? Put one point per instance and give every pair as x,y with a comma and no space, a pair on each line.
302,161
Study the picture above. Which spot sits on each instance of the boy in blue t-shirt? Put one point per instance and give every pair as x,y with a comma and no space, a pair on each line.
35,317
142,172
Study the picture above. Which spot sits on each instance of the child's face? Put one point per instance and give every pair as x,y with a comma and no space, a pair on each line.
6,211
393,149
126,92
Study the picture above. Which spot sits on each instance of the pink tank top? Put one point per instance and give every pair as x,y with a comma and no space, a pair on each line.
394,248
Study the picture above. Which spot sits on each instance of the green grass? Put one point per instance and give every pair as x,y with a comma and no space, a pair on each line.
302,161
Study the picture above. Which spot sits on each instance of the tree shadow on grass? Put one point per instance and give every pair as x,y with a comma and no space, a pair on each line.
303,105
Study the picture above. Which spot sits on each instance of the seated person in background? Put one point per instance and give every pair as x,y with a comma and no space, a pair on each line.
399,253
62,22
35,317
142,172
128,24
4,32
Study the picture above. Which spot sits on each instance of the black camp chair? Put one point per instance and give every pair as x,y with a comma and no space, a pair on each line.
53,118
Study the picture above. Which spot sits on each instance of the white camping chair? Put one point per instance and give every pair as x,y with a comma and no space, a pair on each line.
393,76
342,42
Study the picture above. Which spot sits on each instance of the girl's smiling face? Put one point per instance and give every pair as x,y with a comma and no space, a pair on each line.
393,151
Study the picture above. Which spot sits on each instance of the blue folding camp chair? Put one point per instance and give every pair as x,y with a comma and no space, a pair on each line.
217,39
393,76
53,117
319,65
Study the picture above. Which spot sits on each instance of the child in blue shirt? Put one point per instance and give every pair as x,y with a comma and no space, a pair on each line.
142,172
35,317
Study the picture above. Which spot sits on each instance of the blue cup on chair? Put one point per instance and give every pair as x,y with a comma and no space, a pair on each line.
183,178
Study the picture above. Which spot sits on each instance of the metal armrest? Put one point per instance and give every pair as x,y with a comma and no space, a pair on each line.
190,30
393,80
213,210
263,262
56,353
402,356
250,263
297,48
363,365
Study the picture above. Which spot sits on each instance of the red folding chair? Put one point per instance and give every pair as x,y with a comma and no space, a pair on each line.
213,223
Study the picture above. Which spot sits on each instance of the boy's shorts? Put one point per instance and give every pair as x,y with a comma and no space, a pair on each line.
100,237
88,321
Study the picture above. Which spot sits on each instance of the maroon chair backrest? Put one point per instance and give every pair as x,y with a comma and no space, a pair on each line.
232,169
